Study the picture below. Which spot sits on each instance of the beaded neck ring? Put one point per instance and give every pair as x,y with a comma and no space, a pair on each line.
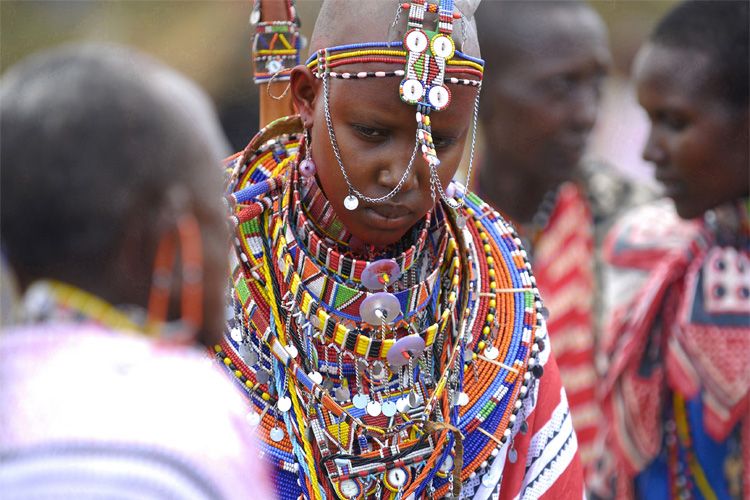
429,57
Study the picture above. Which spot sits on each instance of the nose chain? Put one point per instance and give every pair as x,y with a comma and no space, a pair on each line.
351,202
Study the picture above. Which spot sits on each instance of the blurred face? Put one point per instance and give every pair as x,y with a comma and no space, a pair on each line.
698,145
544,102
375,132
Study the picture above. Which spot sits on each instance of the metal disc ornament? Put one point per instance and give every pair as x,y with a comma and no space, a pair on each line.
262,376
360,401
284,404
342,394
491,352
351,202
406,348
277,434
389,408
381,307
374,408
373,274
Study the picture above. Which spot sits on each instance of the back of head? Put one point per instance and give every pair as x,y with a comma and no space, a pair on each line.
92,138
718,29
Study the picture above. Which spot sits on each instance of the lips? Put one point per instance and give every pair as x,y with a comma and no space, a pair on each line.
388,216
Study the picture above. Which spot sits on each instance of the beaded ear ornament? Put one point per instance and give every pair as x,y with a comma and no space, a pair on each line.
429,58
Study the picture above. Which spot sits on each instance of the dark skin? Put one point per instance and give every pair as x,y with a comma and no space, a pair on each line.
375,131
542,104
698,143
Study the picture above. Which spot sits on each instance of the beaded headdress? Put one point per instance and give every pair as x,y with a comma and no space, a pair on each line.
430,59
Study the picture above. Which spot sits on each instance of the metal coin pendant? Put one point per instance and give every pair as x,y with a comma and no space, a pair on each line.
277,434
316,377
351,202
284,404
512,455
373,408
262,376
463,399
491,352
389,408
253,419
402,405
406,348
342,394
381,307
360,401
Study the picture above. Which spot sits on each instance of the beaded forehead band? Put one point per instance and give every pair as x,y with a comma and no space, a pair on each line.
429,58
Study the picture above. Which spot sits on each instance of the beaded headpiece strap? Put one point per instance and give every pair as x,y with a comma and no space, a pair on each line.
429,57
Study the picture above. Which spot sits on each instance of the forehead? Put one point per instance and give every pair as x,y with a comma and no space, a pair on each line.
672,75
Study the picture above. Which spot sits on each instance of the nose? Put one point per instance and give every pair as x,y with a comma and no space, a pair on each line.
401,168
654,151
585,106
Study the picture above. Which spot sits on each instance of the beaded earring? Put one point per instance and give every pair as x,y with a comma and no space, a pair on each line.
191,295
307,166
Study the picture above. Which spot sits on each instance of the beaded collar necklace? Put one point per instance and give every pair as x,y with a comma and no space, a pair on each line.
50,300
489,337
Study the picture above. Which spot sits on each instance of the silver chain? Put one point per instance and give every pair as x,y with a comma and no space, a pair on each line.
436,185
337,154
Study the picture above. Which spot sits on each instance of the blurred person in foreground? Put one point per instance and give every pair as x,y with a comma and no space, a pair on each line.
679,341
548,62
112,222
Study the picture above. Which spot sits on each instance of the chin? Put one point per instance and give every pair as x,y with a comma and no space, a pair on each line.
687,210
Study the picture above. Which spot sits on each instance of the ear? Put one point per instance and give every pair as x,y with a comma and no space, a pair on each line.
305,89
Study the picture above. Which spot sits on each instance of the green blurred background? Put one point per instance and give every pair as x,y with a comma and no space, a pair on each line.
209,40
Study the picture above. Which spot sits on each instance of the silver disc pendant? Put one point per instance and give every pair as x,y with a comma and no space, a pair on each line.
373,408
512,455
389,408
342,394
316,377
402,405
491,352
284,404
351,202
277,434
360,401
262,376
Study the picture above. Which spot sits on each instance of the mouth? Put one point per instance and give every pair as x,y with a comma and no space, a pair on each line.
388,216
671,187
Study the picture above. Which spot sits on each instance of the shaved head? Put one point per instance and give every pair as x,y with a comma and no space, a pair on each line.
343,22
512,31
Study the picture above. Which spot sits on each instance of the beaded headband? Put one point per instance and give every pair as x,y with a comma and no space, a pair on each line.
429,57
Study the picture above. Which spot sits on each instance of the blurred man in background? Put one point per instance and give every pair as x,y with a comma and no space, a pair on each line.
546,65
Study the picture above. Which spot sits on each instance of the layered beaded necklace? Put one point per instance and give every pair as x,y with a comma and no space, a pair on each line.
379,383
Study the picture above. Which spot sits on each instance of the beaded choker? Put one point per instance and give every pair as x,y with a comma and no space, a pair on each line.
323,251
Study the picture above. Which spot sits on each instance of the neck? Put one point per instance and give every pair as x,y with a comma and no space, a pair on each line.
512,188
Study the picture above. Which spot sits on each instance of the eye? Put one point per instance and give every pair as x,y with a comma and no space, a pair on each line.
674,121
370,133
561,85
442,142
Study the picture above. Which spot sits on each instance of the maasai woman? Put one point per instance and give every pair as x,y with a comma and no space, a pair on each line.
385,323
678,384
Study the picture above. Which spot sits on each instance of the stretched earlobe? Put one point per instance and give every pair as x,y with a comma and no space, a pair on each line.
304,92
